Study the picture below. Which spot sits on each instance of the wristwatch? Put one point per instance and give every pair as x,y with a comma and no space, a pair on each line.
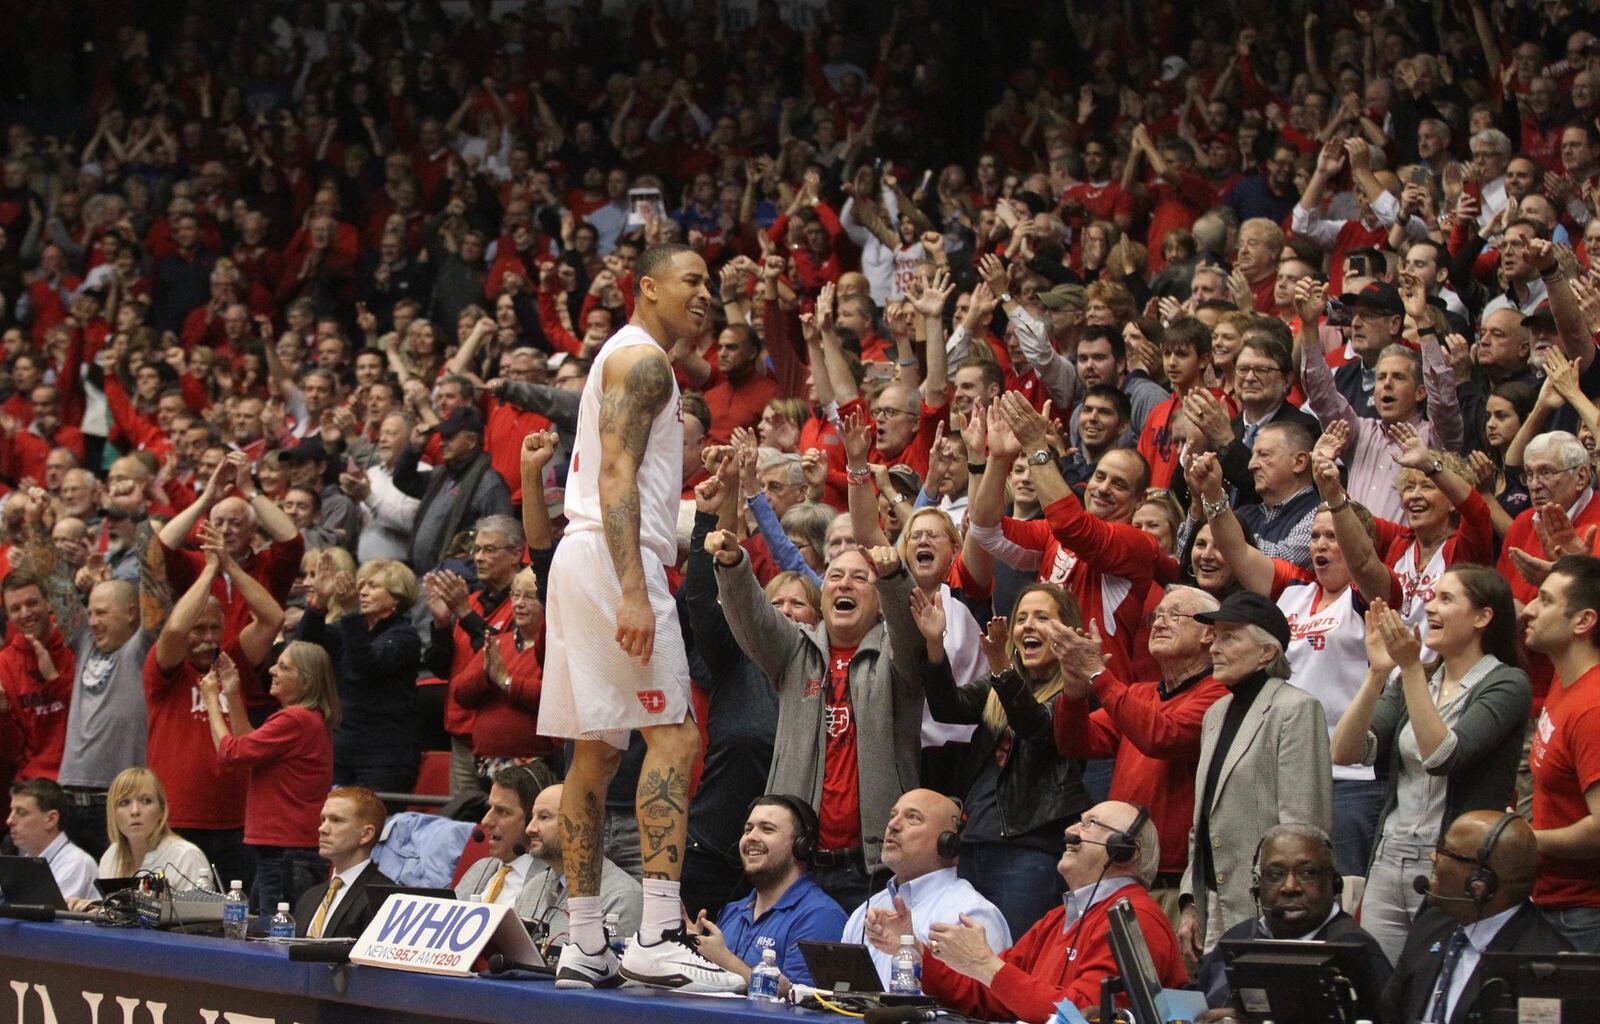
1005,298
1041,457
977,468
1213,509
1436,468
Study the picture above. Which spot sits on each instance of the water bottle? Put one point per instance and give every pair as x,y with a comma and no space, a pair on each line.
203,880
614,936
282,923
764,978
235,912
905,979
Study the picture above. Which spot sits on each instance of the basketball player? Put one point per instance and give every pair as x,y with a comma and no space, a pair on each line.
616,659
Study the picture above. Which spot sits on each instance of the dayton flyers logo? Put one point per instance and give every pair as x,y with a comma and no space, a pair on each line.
838,719
813,687
654,701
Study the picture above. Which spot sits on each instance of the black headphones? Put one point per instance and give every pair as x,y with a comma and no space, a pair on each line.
1123,846
1255,869
949,845
809,825
1484,882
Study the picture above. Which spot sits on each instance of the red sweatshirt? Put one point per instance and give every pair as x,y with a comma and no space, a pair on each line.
1157,746
34,730
1042,969
1108,567
505,724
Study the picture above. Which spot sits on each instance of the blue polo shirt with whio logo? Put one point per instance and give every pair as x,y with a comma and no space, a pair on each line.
804,911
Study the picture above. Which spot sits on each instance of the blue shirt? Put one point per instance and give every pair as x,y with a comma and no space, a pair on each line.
804,911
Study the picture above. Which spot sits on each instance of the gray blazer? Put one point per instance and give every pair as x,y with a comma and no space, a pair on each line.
1481,772
1276,771
544,898
885,695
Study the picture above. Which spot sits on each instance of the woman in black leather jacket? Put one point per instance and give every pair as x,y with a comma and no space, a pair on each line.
1019,795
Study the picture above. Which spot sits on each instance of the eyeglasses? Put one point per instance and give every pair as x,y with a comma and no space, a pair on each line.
1445,851
1369,314
1256,372
1544,476
888,412
489,549
1173,617
1305,874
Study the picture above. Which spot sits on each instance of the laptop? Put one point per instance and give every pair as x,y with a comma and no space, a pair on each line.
28,881
112,886
846,969
376,894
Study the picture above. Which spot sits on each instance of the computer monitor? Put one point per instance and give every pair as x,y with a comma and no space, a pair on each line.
1306,982
1509,980
1140,980
27,881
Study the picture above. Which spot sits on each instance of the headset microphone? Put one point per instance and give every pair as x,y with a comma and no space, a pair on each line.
478,835
1420,886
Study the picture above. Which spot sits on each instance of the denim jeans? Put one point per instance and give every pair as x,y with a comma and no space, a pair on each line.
1356,805
1022,881
1581,926
283,874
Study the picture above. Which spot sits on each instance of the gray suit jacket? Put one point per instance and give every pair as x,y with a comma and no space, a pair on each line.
544,898
1277,770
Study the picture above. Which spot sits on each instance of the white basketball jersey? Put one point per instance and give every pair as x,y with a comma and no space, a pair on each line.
1327,655
660,476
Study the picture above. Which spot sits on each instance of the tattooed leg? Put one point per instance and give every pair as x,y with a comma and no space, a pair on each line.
663,799
594,762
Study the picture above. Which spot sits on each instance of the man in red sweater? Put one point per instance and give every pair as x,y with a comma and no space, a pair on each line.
36,672
744,389
1152,730
1066,954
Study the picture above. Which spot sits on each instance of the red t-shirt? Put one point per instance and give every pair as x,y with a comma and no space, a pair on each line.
200,792
841,782
1565,760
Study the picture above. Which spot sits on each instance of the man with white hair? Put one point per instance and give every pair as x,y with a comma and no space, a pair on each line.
1111,853
1153,731
1491,151
1263,761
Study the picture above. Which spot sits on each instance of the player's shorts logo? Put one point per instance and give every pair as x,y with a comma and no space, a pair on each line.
654,701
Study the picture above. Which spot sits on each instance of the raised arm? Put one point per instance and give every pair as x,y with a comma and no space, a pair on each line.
172,645
1367,569
275,522
266,614
936,385
1252,568
176,530
1321,394
538,448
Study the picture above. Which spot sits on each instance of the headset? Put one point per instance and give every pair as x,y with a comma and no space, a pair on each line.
1255,870
1484,882
805,837
1121,847
949,844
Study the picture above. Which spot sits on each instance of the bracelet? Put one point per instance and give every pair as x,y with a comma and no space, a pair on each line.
897,499
858,476
1427,329
1341,506
1213,509
977,468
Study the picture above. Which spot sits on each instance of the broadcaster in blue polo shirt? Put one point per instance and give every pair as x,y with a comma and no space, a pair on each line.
784,906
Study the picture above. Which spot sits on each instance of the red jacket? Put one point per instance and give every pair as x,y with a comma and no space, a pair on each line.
1108,567
1042,969
738,404
1156,743
505,724
458,717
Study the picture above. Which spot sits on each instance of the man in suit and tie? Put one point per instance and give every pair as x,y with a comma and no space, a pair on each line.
352,821
1263,762
499,877
1483,873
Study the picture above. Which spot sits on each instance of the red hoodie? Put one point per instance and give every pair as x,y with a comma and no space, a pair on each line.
34,730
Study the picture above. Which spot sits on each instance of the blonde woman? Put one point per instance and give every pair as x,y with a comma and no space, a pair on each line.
1018,793
141,840
290,760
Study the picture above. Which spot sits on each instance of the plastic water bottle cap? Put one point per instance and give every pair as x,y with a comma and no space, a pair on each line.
283,908
236,884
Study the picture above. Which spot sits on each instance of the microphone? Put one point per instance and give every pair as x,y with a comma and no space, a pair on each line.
899,1015
1276,913
478,835
1073,839
1420,886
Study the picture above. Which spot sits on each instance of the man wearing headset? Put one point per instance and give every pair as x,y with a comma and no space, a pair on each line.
1111,854
921,844
1297,889
1483,873
498,878
785,906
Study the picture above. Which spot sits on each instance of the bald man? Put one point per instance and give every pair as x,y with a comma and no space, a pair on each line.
1504,922
106,720
924,878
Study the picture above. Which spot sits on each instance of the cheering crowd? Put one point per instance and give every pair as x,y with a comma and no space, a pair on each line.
1158,463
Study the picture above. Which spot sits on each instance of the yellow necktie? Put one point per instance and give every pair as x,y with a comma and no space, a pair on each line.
499,881
321,920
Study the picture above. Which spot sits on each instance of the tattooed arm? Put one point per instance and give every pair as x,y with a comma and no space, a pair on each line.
638,384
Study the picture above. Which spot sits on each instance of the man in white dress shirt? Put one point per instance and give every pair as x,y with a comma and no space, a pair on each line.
925,887
499,877
38,807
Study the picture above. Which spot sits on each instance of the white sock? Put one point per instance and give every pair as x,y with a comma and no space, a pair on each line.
663,910
584,923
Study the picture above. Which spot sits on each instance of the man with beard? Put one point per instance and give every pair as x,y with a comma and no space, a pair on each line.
1102,419
205,800
743,388
544,894
785,907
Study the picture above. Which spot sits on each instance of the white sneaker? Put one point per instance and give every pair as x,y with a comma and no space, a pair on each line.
577,969
675,962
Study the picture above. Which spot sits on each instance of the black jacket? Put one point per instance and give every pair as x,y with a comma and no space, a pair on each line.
354,912
1211,977
1037,786
1406,997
